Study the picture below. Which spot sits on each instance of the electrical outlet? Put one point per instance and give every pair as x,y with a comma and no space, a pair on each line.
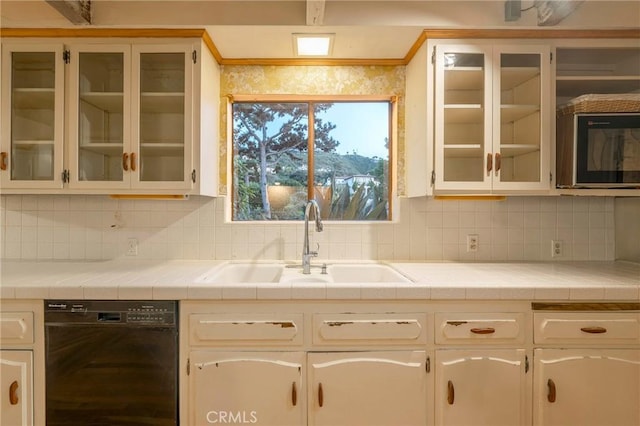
472,242
556,248
132,247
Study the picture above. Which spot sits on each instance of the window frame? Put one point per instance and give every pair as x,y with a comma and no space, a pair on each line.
311,100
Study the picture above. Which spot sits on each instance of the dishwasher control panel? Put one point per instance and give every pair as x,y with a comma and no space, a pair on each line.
150,314
157,312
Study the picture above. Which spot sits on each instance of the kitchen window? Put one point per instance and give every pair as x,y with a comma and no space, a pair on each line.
336,150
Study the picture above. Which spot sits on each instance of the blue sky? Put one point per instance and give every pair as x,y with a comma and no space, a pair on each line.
360,126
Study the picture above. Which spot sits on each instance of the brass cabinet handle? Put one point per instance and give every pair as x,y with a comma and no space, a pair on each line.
133,161
483,330
489,163
13,393
3,161
551,396
594,330
125,161
320,395
498,162
294,394
451,393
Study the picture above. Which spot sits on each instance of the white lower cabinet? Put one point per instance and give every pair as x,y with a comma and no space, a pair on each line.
367,388
408,364
262,388
344,388
587,387
588,372
20,351
480,387
16,381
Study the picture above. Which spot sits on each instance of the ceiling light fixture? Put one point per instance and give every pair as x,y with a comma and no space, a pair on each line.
312,44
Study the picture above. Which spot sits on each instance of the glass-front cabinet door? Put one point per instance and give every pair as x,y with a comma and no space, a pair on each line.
521,94
100,117
463,117
31,150
489,131
162,106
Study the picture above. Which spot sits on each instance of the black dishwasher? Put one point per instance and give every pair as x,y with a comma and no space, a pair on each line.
111,362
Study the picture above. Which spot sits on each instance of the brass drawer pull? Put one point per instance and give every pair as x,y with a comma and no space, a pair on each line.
451,392
3,161
125,162
551,396
320,395
594,330
13,393
489,163
294,394
498,162
483,330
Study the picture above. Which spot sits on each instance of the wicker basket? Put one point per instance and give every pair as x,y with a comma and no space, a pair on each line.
628,102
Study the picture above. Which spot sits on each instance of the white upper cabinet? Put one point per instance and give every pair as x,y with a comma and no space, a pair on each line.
131,114
99,116
121,116
586,69
162,107
491,113
591,77
31,153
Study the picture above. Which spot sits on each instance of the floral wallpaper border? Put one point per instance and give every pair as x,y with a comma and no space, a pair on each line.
313,80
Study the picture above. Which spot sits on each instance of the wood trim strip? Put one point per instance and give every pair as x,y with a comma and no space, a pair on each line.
206,38
310,98
149,196
470,197
516,33
531,33
312,62
579,306
415,47
114,33
103,32
424,35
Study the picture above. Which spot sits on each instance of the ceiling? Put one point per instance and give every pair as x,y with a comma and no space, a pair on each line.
380,29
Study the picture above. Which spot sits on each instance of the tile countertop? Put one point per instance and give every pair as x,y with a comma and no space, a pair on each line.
178,280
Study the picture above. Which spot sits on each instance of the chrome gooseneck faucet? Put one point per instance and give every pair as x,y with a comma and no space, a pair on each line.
306,253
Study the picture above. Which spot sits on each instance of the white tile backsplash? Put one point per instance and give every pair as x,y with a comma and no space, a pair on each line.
40,227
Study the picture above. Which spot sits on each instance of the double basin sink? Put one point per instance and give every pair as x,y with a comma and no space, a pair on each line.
237,273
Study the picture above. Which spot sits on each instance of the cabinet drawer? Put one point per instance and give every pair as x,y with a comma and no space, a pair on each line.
251,329
474,327
592,327
377,329
16,328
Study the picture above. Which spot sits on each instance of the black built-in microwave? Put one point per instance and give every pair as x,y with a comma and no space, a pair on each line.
598,151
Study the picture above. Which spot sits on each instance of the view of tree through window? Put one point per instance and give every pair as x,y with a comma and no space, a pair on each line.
348,151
